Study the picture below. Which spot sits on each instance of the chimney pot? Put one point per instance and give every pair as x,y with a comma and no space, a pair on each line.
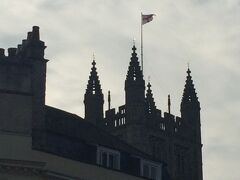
35,33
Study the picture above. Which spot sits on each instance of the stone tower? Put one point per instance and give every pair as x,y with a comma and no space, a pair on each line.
190,112
134,92
174,140
93,98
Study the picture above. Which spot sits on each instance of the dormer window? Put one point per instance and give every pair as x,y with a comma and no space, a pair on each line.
151,170
108,158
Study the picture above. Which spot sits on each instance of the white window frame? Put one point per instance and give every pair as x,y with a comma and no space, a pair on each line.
109,152
151,164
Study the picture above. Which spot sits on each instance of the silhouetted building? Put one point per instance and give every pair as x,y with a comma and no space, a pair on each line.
136,142
41,142
174,140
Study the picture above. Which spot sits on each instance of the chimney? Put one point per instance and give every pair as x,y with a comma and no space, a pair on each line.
29,36
12,52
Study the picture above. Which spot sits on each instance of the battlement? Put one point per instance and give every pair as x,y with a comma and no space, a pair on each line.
166,123
115,119
30,48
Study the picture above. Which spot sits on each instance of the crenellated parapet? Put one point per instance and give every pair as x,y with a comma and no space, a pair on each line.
114,120
165,123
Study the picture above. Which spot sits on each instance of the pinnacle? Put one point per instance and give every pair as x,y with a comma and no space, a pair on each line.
150,104
189,93
134,69
94,86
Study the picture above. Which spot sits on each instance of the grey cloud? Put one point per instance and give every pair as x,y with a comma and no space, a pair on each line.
202,32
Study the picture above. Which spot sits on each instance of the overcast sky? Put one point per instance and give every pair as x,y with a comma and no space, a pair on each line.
205,33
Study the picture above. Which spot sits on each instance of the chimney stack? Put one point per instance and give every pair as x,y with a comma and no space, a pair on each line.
12,52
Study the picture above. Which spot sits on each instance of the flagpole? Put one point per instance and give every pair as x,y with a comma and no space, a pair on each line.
141,42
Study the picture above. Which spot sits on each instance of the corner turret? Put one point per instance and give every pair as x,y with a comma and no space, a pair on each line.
190,112
135,91
190,105
93,98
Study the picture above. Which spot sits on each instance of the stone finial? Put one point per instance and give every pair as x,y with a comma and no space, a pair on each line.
109,100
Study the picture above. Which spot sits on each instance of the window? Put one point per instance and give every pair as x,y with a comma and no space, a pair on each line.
108,158
151,170
162,126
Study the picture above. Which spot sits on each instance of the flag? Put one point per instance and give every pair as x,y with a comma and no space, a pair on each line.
146,18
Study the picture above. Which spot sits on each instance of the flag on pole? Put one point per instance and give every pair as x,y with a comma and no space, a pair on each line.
146,18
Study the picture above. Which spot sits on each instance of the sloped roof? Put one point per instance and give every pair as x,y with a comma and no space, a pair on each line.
72,126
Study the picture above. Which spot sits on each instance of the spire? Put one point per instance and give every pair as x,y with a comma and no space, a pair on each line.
134,83
109,100
134,71
135,91
169,104
94,86
189,98
93,99
150,104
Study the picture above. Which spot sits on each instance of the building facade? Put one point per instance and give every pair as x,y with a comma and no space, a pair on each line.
41,142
